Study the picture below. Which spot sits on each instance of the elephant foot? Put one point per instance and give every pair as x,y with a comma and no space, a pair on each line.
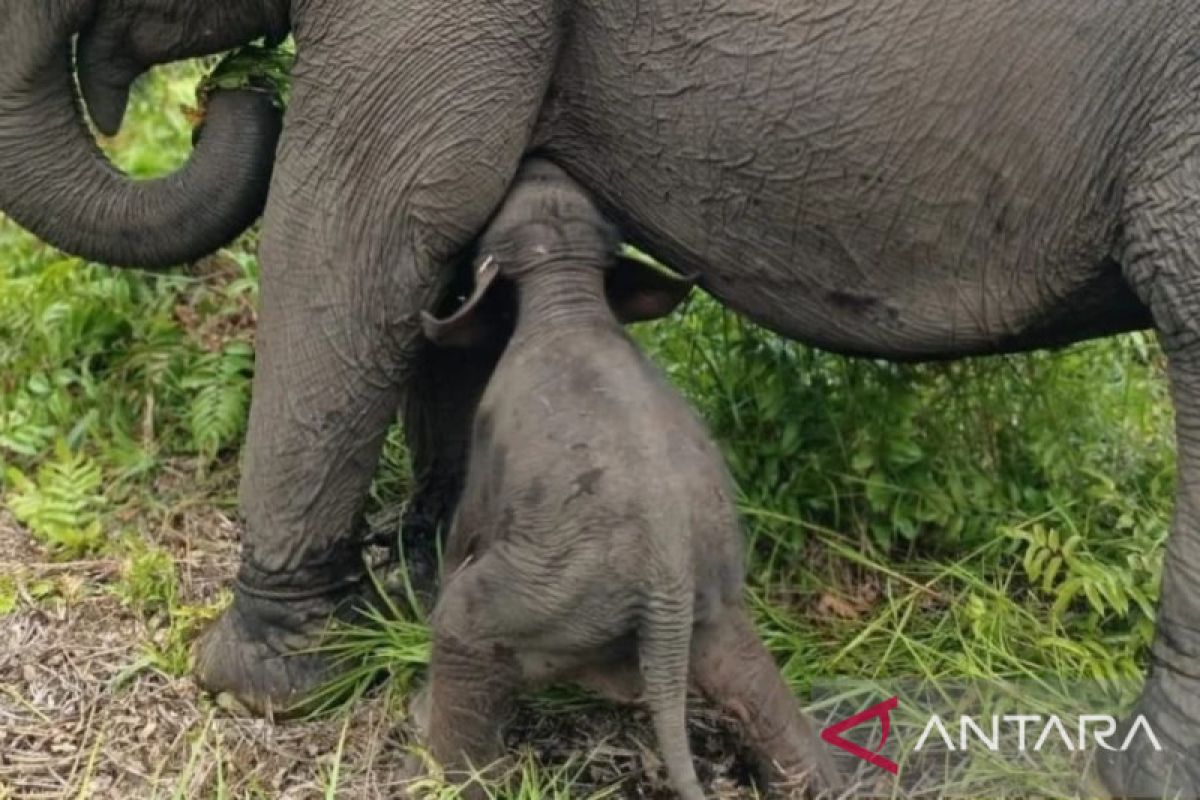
1143,771
420,771
262,652
1165,764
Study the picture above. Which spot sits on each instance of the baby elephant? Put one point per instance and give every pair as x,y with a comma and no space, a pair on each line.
596,539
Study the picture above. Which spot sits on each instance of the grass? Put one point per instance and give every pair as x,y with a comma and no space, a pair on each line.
997,519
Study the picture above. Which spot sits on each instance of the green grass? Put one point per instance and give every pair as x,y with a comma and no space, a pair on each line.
105,375
998,518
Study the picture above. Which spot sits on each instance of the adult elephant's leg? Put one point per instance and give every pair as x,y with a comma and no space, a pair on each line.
405,127
1163,265
438,405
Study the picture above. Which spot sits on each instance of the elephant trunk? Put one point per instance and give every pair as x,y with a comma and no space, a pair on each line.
55,181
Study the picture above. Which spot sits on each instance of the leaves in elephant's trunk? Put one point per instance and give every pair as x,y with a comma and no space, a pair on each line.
254,68
633,253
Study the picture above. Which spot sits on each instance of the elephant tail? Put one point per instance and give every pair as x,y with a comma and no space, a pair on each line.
665,640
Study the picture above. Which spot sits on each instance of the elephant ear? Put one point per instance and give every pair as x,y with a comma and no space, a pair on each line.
468,326
638,292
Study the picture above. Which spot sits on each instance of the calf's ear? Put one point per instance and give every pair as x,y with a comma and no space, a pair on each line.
638,292
467,327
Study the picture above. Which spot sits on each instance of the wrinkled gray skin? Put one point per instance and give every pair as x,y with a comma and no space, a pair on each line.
596,538
55,181
907,179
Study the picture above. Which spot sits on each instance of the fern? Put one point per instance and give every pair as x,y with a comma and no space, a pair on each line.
21,432
61,506
217,412
1063,568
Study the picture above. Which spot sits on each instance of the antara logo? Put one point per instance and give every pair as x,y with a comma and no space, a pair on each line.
833,734
1103,727
1097,728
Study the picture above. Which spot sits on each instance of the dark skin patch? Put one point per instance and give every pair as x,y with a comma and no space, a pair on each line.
535,495
849,301
584,380
585,483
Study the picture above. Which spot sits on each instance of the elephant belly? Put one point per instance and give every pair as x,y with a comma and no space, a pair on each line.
865,180
934,319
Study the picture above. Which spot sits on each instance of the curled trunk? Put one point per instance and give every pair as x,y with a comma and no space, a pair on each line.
55,181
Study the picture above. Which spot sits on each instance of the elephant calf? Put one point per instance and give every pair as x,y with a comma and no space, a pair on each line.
596,539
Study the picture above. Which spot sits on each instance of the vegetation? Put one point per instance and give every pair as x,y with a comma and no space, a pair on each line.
994,518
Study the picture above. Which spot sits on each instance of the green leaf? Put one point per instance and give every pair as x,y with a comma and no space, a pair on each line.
1034,565
1052,568
253,68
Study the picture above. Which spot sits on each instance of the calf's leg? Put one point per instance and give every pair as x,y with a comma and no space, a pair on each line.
733,669
474,676
507,619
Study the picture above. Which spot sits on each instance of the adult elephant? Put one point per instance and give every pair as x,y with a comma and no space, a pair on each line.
910,179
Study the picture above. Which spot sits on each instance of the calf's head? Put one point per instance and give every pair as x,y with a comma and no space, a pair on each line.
549,228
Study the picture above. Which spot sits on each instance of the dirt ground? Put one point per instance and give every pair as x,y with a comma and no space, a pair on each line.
82,714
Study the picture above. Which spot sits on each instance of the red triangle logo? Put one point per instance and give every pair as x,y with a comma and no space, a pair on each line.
833,734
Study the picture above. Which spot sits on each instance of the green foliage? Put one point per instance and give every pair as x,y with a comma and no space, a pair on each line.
169,649
390,488
9,595
1065,568
941,452
157,134
1056,465
220,387
107,376
149,585
393,641
61,507
125,367
253,67
148,580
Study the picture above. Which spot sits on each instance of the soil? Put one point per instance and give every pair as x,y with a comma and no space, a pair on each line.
82,714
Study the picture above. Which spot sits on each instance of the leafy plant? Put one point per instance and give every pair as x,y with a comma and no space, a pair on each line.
148,580
220,387
252,67
62,505
8,595
169,650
